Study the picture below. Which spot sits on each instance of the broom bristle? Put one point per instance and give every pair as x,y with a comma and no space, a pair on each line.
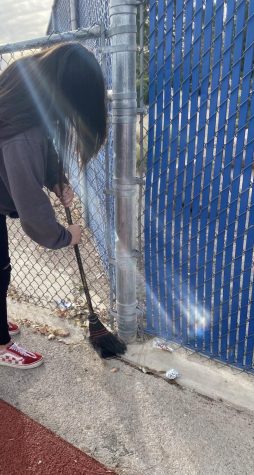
104,342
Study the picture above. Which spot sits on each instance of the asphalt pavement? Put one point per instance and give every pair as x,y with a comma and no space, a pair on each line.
134,423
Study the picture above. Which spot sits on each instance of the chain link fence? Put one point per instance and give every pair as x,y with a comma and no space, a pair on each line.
45,277
199,211
61,17
195,171
142,148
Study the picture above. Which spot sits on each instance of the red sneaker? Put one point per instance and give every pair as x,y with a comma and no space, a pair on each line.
16,356
13,328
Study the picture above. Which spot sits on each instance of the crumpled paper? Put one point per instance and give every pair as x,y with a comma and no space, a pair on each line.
172,374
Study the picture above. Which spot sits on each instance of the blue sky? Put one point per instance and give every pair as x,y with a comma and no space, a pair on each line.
23,19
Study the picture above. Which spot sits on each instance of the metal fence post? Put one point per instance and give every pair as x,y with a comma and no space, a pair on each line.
122,31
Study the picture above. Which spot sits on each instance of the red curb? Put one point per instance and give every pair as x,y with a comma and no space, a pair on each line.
27,447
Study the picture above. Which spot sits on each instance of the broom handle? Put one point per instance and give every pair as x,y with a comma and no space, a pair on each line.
80,266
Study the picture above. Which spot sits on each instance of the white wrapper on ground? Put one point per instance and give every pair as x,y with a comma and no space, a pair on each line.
172,374
63,304
162,345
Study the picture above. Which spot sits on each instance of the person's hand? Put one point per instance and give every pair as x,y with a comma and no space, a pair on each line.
67,195
75,231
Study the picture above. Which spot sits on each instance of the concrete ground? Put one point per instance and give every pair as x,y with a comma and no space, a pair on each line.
133,422
205,376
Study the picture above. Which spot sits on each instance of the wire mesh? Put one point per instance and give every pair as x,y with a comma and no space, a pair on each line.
62,16
51,278
142,148
99,173
199,206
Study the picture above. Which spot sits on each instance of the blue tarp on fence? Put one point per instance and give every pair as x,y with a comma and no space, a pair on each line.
199,213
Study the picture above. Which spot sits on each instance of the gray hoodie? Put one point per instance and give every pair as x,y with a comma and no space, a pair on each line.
28,162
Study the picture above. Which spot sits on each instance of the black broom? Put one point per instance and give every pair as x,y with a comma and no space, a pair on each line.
103,341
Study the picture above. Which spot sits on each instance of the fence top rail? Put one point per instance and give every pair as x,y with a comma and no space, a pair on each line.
82,33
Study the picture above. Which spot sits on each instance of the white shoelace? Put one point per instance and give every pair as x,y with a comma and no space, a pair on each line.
22,351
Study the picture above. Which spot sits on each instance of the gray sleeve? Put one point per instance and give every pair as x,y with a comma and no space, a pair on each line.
25,167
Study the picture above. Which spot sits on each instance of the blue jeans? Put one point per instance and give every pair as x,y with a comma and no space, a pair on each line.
5,275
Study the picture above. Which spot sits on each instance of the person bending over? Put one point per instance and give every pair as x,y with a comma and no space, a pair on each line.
56,93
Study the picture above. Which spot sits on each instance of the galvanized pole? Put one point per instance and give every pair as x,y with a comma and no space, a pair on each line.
123,15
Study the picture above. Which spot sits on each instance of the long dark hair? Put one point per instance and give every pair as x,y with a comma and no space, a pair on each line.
60,88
